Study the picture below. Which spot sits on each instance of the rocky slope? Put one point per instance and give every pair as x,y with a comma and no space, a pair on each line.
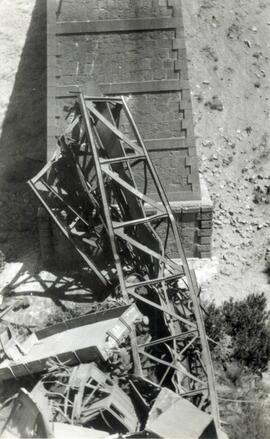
228,49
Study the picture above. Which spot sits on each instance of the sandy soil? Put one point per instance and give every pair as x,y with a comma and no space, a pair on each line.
228,49
15,20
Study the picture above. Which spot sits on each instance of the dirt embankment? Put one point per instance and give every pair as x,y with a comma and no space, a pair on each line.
228,48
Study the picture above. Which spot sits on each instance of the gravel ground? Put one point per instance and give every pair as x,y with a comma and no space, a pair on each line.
228,47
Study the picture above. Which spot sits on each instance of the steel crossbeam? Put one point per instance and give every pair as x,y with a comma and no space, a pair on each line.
116,233
104,163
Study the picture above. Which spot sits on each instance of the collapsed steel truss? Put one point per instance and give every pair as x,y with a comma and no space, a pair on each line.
91,189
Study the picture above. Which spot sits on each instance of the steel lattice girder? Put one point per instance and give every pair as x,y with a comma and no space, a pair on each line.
92,180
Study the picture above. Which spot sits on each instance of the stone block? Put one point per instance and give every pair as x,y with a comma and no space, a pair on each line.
204,232
205,240
205,224
205,216
151,67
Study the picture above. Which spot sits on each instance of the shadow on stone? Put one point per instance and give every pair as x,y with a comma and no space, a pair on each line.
23,141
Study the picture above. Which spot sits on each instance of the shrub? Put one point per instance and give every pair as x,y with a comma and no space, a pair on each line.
246,322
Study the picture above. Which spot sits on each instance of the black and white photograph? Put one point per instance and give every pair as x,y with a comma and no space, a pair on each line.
135,219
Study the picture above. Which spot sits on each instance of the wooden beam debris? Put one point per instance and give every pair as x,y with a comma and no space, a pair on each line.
93,340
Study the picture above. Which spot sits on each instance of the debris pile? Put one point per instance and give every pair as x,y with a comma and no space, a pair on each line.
142,368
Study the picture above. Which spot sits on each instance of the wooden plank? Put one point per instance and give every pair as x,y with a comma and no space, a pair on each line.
70,358
84,343
118,25
82,321
72,342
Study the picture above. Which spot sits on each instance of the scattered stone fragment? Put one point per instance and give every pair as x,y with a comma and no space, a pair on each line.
214,104
247,43
225,271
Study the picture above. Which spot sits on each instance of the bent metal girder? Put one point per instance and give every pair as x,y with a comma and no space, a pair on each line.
91,190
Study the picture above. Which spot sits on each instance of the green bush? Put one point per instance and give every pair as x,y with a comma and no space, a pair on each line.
246,322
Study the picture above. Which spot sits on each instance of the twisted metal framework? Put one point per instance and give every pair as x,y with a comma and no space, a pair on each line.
91,189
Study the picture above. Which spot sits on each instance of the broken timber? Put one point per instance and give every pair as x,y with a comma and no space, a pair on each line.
80,340
172,414
30,417
88,394
90,190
